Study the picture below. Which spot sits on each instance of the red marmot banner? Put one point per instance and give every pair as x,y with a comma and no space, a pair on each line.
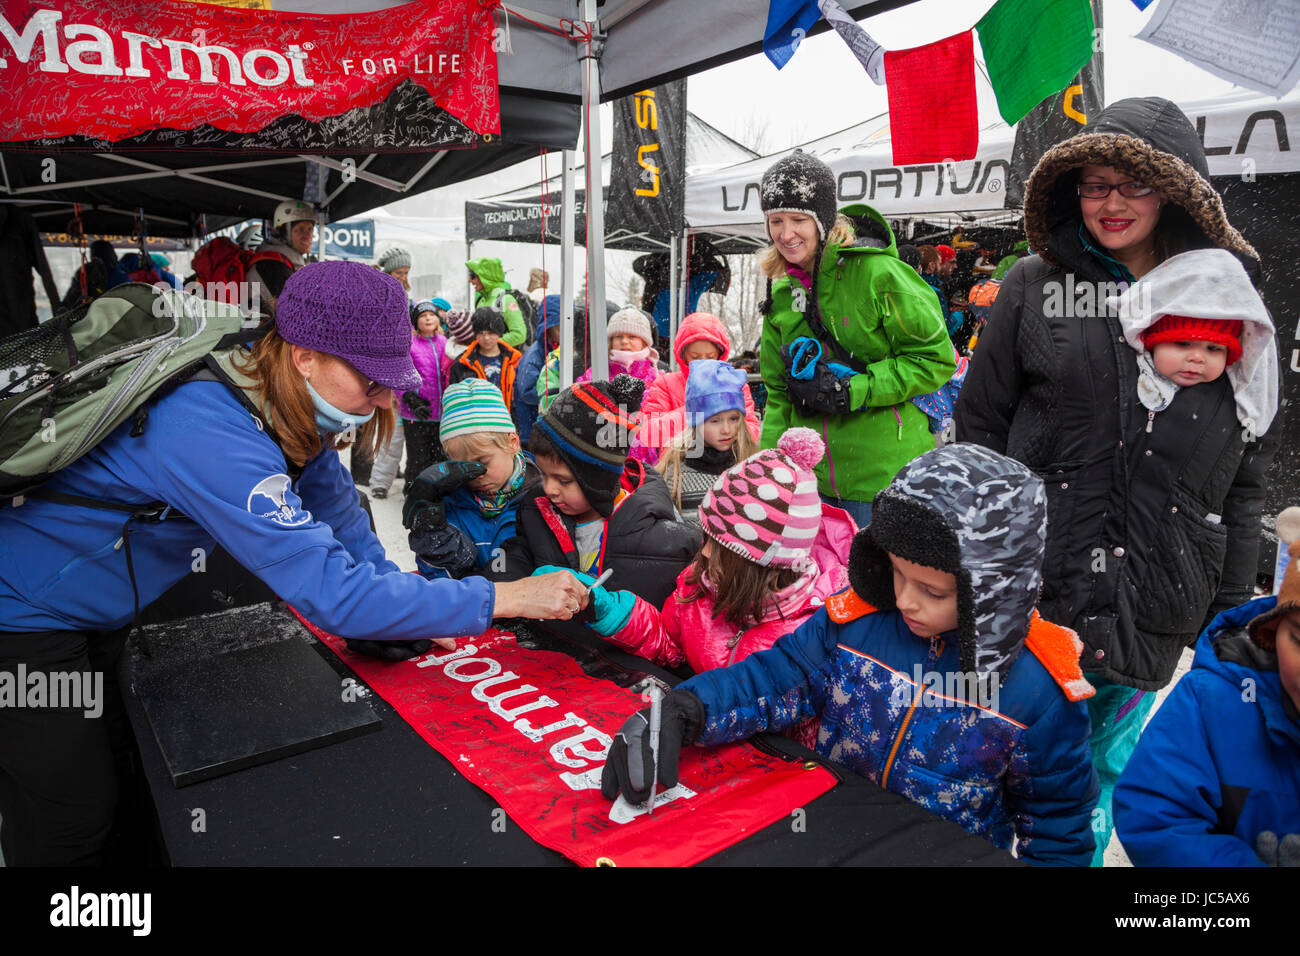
532,729
111,70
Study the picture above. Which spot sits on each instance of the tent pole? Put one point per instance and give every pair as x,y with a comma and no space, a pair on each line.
672,299
684,299
597,343
567,217
469,289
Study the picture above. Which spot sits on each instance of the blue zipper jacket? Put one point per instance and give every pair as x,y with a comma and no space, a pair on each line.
1219,763
64,567
489,535
1018,767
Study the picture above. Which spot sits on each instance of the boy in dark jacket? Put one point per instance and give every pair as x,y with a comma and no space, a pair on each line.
932,675
1215,779
600,510
461,512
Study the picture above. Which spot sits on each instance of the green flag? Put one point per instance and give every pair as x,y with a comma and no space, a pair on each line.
1033,49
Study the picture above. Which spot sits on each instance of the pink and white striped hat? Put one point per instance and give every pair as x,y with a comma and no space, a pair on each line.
766,508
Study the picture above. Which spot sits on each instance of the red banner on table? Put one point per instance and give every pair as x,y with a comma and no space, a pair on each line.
111,70
532,729
932,112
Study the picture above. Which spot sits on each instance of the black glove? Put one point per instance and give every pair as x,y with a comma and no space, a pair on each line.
629,765
418,406
1278,852
824,393
389,650
433,484
447,548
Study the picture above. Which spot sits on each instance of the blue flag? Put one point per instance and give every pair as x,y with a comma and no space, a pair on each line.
788,22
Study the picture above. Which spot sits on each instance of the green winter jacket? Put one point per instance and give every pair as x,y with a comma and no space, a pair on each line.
495,295
885,316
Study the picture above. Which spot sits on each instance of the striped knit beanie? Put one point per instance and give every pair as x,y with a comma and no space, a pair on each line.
766,508
473,405
460,327
590,426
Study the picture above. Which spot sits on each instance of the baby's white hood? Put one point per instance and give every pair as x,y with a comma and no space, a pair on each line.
1211,284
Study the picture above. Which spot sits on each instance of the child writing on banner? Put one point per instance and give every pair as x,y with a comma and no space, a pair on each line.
462,512
599,509
1215,779
932,674
630,353
773,553
715,438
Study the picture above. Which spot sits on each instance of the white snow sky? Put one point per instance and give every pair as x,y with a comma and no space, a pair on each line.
823,89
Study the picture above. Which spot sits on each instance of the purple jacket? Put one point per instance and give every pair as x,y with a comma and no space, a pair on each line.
431,361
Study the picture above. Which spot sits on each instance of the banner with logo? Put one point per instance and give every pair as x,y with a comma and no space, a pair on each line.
647,180
354,239
532,729
109,71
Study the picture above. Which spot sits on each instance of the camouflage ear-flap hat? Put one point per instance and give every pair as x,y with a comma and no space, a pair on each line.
977,515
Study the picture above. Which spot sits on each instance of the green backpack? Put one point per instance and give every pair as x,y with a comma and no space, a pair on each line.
66,384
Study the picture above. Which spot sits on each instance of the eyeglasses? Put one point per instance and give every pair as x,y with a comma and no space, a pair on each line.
1129,190
373,388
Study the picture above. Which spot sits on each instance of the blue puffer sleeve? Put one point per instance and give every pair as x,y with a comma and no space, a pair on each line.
228,477
1051,787
770,690
1166,801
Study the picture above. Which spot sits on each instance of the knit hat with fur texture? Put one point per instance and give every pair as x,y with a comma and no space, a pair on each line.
590,427
1184,328
801,183
487,319
766,509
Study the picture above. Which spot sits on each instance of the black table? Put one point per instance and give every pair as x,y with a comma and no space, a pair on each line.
388,798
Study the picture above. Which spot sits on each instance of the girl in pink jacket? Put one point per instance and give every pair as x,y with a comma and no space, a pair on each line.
663,411
773,552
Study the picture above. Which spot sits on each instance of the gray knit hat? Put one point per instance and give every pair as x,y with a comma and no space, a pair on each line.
354,312
393,259
632,321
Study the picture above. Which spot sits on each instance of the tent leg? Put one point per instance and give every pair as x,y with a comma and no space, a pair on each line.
567,201
597,343
684,260
469,289
673,321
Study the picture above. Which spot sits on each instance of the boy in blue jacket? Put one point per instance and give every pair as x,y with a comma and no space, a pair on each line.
1215,778
932,675
461,512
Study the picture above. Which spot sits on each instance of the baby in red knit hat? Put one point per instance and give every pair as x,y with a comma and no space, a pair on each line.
1193,318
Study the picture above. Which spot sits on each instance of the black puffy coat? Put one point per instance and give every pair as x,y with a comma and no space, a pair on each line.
1148,533
645,544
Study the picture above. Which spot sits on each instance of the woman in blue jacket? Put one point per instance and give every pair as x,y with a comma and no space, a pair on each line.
269,488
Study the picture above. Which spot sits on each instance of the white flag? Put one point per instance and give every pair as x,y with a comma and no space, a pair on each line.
869,53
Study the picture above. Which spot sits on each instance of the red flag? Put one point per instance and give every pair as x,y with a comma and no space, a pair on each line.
531,729
932,112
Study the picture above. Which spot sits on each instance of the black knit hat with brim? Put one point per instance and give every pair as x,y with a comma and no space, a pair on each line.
590,427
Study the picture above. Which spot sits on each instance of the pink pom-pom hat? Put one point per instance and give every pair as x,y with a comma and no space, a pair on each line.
766,508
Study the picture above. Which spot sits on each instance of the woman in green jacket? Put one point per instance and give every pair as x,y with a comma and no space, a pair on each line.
851,333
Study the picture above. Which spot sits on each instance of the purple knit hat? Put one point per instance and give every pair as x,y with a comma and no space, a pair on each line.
352,311
460,327
766,509
713,387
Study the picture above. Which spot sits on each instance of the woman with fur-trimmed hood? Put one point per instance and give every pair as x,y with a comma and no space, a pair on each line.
1151,533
